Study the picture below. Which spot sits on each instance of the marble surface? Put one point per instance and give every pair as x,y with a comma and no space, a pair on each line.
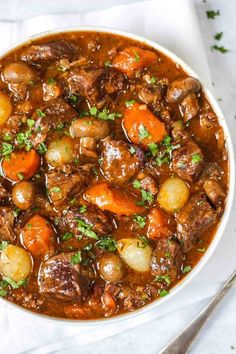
219,333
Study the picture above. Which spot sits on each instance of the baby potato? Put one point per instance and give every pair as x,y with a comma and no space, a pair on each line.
15,263
60,151
17,73
135,254
5,108
173,194
23,194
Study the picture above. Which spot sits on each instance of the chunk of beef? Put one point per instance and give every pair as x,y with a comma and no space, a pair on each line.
149,184
179,89
19,90
150,95
12,125
58,111
119,164
187,160
45,207
49,52
7,224
95,218
167,259
62,279
3,192
55,113
97,86
196,217
134,298
214,191
62,186
26,299
159,225
211,171
189,107
210,180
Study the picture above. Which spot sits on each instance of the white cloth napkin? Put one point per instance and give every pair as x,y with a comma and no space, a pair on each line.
173,24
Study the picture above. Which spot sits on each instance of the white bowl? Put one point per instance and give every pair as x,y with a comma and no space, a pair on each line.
220,230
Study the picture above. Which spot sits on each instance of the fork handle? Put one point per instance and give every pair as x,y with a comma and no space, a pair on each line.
184,339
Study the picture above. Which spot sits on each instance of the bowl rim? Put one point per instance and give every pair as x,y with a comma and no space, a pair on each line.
231,164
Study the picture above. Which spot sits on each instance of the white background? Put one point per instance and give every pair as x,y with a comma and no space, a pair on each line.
219,334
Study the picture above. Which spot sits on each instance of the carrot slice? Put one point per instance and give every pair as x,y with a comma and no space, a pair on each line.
158,224
38,237
133,58
21,164
142,126
112,199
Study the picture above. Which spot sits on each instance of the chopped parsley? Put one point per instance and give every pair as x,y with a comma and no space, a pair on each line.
76,161
196,158
74,99
76,258
218,35
136,184
6,149
100,160
40,113
3,245
107,243
107,64
83,209
60,126
20,176
153,148
16,212
93,111
104,114
67,236
146,197
29,226
211,14
164,156
14,284
186,269
129,103
42,149
88,247
22,140
221,49
56,189
132,150
86,229
142,132
51,81
163,279
201,249
140,220
3,292
153,80
163,292
7,137
136,56
144,242
30,123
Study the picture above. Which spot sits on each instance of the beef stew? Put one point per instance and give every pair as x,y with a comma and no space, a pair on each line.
114,175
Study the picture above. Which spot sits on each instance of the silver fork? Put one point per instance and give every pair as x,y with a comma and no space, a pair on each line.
181,343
